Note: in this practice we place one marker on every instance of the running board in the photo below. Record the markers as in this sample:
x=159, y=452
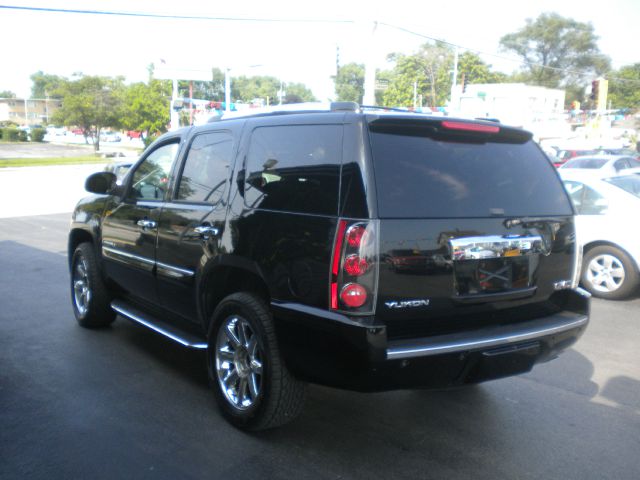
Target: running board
x=185, y=339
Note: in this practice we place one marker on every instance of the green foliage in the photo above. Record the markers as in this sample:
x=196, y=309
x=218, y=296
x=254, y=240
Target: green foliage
x=8, y=123
x=212, y=90
x=246, y=89
x=91, y=103
x=624, y=87
x=554, y=51
x=146, y=107
x=349, y=83
x=476, y=71
x=429, y=70
x=297, y=93
x=7, y=94
x=44, y=85
x=10, y=134
x=37, y=134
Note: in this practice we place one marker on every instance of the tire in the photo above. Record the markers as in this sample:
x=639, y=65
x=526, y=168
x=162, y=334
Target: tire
x=608, y=272
x=89, y=295
x=251, y=384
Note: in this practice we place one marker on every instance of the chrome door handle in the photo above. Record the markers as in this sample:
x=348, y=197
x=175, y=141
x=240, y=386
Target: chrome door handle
x=206, y=231
x=145, y=224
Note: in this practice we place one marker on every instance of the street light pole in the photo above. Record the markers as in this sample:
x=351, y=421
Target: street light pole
x=227, y=90
x=455, y=79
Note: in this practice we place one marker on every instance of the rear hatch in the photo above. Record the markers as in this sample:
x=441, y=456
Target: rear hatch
x=475, y=226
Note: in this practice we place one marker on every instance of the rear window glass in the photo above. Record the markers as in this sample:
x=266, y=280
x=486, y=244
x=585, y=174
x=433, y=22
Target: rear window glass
x=418, y=176
x=294, y=169
x=629, y=183
x=585, y=163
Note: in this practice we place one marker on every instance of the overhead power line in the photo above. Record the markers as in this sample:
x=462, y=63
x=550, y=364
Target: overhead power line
x=172, y=17
x=303, y=20
x=501, y=57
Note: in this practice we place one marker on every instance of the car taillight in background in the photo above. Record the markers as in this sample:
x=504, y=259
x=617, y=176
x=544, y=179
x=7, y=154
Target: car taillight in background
x=354, y=267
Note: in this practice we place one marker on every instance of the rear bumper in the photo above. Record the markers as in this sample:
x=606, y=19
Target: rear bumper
x=335, y=350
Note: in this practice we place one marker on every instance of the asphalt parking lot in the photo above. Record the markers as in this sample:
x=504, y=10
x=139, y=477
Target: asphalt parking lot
x=124, y=403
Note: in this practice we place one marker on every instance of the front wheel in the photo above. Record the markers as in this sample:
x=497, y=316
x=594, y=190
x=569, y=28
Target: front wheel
x=89, y=295
x=609, y=273
x=252, y=386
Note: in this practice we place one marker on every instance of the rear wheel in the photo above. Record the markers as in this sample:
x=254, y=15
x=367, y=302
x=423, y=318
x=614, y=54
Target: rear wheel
x=609, y=273
x=89, y=295
x=252, y=386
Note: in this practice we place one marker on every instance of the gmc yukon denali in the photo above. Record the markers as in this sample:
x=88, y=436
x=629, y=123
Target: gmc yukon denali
x=361, y=249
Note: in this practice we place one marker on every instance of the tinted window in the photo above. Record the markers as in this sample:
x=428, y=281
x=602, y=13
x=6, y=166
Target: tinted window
x=586, y=200
x=151, y=177
x=418, y=176
x=294, y=168
x=585, y=163
x=206, y=169
x=629, y=183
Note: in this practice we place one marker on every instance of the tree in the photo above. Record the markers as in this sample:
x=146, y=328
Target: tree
x=7, y=94
x=426, y=74
x=557, y=52
x=146, y=107
x=298, y=93
x=45, y=85
x=477, y=71
x=349, y=83
x=624, y=87
x=91, y=103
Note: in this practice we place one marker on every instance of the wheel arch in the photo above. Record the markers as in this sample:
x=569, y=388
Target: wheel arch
x=222, y=280
x=76, y=237
x=604, y=243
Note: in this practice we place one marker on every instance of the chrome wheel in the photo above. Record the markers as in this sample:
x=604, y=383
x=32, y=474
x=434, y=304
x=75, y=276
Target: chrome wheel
x=81, y=289
x=239, y=362
x=605, y=273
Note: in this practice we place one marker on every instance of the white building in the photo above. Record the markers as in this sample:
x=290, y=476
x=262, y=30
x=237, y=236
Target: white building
x=517, y=104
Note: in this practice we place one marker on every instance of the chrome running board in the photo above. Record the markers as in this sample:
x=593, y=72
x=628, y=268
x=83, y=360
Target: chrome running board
x=185, y=339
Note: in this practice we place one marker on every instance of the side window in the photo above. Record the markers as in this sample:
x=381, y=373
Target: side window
x=206, y=169
x=586, y=200
x=621, y=164
x=294, y=168
x=152, y=175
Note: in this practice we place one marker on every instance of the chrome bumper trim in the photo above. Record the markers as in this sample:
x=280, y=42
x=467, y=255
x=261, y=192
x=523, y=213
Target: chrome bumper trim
x=486, y=338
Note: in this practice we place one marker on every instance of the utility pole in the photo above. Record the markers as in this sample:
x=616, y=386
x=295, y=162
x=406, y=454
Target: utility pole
x=227, y=90
x=455, y=79
x=370, y=71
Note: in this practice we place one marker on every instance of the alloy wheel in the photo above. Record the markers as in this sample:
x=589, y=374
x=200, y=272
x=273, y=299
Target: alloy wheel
x=81, y=288
x=239, y=362
x=605, y=273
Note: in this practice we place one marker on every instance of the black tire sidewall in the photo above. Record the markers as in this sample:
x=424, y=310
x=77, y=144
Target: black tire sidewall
x=235, y=305
x=630, y=282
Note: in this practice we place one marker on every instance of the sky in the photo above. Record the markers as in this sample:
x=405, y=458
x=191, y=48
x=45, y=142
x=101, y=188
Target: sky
x=299, y=47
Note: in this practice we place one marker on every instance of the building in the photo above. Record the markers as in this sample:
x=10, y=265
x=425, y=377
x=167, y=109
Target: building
x=514, y=104
x=32, y=111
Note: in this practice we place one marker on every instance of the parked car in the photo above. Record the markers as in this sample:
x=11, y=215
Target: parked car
x=268, y=242
x=119, y=169
x=109, y=136
x=564, y=155
x=606, y=207
x=603, y=165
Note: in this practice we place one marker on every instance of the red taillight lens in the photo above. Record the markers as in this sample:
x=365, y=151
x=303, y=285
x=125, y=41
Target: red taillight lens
x=355, y=266
x=355, y=235
x=353, y=295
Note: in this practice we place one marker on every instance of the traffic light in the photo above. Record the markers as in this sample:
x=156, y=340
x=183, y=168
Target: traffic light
x=464, y=82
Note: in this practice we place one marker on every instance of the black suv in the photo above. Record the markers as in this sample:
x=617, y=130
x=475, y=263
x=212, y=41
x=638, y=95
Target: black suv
x=362, y=250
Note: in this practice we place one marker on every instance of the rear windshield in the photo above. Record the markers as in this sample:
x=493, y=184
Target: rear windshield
x=585, y=163
x=629, y=183
x=422, y=177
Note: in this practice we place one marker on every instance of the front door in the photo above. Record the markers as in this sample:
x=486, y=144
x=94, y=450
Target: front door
x=130, y=228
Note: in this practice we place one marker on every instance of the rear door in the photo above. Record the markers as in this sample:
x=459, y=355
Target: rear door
x=192, y=222
x=473, y=221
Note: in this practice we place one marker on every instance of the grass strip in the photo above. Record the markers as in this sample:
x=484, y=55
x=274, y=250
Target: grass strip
x=37, y=162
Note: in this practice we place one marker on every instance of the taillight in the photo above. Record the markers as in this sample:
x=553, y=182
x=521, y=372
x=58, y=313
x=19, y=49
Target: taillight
x=354, y=267
x=470, y=127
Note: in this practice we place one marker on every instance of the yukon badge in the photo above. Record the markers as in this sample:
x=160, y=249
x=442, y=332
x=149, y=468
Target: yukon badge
x=408, y=304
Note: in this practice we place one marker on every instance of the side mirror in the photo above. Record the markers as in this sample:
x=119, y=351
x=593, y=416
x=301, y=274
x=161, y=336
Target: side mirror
x=100, y=182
